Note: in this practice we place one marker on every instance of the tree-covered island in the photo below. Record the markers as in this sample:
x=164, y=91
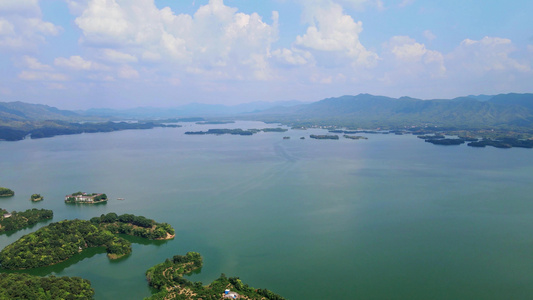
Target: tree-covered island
x=25, y=286
x=5, y=192
x=59, y=241
x=324, y=137
x=36, y=197
x=80, y=197
x=167, y=277
x=18, y=220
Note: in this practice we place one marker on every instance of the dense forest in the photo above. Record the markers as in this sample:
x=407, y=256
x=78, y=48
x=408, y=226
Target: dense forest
x=5, y=192
x=19, y=220
x=59, y=241
x=167, y=277
x=25, y=286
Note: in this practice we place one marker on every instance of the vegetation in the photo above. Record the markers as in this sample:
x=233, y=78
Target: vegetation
x=14, y=131
x=19, y=220
x=324, y=137
x=355, y=137
x=5, y=192
x=167, y=277
x=134, y=225
x=215, y=122
x=25, y=286
x=88, y=198
x=277, y=129
x=237, y=131
x=59, y=241
x=36, y=197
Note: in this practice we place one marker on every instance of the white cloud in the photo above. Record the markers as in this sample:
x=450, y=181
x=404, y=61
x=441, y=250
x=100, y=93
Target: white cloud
x=78, y=63
x=336, y=33
x=407, y=60
x=216, y=36
x=406, y=3
x=127, y=72
x=34, y=64
x=22, y=27
x=6, y=28
x=20, y=7
x=115, y=56
x=430, y=36
x=293, y=57
x=45, y=76
x=485, y=55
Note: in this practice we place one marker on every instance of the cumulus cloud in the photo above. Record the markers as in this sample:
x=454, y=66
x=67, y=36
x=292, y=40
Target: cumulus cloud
x=216, y=36
x=115, y=56
x=44, y=76
x=21, y=25
x=78, y=63
x=34, y=64
x=336, y=34
x=127, y=72
x=487, y=54
x=405, y=61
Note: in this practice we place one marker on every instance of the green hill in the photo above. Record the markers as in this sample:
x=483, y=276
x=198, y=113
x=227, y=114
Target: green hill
x=503, y=111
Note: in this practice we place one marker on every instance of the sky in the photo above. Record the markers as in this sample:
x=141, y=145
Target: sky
x=79, y=54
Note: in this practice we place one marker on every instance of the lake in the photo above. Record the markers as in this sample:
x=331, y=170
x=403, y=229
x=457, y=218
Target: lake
x=391, y=217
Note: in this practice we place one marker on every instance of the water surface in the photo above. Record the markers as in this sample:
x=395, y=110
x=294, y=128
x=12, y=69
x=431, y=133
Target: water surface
x=390, y=217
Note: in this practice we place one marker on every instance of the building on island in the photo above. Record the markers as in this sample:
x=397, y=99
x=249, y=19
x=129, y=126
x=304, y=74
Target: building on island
x=231, y=295
x=86, y=198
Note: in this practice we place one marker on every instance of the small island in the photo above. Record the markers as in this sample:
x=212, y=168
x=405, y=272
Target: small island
x=80, y=197
x=25, y=286
x=60, y=241
x=18, y=220
x=355, y=137
x=36, y=197
x=237, y=131
x=5, y=192
x=324, y=137
x=167, y=277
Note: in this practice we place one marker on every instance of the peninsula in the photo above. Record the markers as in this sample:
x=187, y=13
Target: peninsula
x=18, y=220
x=25, y=286
x=167, y=277
x=60, y=241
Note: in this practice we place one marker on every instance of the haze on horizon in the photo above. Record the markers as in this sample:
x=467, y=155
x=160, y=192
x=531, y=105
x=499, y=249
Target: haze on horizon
x=77, y=54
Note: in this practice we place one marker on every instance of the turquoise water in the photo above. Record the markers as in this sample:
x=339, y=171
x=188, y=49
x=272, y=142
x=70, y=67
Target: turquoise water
x=390, y=217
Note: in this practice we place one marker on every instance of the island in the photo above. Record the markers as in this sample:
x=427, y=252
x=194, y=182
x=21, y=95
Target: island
x=237, y=131
x=355, y=137
x=80, y=197
x=167, y=277
x=324, y=137
x=214, y=122
x=60, y=241
x=25, y=286
x=276, y=129
x=36, y=197
x=18, y=220
x=5, y=192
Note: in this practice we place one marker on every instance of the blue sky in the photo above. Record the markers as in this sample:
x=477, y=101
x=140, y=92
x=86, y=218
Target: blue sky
x=78, y=54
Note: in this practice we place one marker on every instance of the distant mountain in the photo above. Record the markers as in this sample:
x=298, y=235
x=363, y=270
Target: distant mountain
x=20, y=111
x=365, y=110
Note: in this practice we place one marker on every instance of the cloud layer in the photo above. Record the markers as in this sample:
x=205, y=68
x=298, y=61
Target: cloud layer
x=218, y=52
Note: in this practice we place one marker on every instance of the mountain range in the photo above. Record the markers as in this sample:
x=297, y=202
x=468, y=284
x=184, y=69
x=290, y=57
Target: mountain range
x=501, y=112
